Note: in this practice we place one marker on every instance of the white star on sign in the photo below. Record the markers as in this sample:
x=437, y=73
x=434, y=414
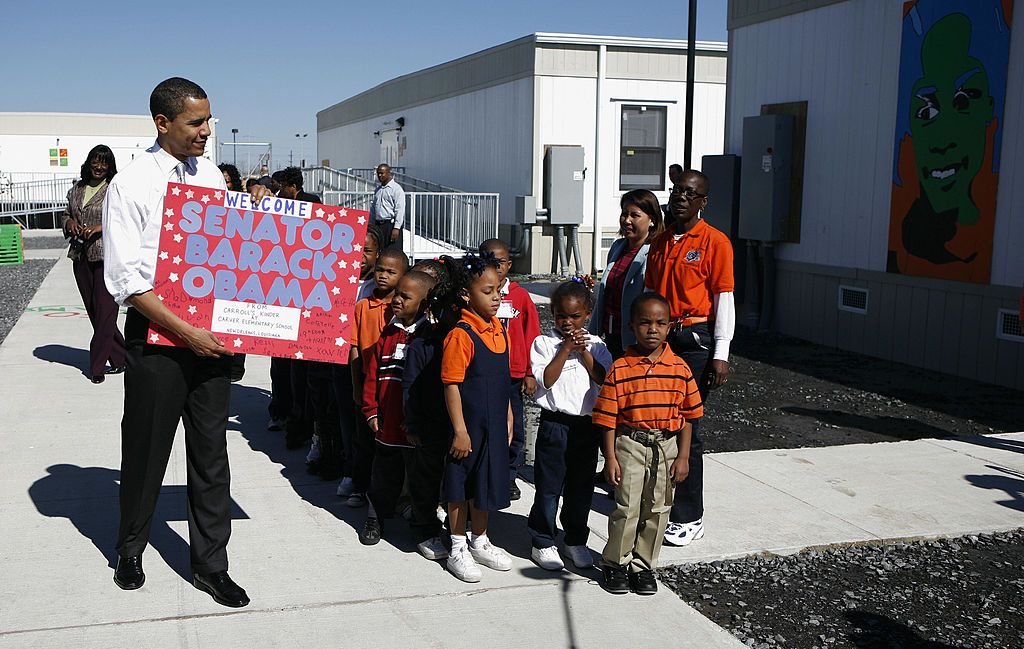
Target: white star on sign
x=173, y=277
x=319, y=212
x=357, y=248
x=175, y=190
x=238, y=342
x=168, y=212
x=330, y=219
x=189, y=194
x=205, y=199
x=362, y=220
x=168, y=226
x=352, y=279
x=343, y=213
x=163, y=255
x=298, y=355
x=178, y=238
x=342, y=264
x=306, y=313
x=176, y=260
x=192, y=309
x=218, y=195
x=356, y=265
x=160, y=297
x=335, y=290
x=154, y=338
x=339, y=341
x=343, y=317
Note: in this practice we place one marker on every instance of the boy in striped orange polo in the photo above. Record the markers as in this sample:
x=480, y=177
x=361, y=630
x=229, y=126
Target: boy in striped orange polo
x=644, y=410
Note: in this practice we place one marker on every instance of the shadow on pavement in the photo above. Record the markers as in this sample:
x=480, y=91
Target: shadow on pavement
x=249, y=406
x=873, y=631
x=894, y=427
x=1012, y=483
x=999, y=443
x=70, y=356
x=87, y=497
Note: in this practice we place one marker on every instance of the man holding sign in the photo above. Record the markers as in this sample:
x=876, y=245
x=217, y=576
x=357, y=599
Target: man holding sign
x=166, y=384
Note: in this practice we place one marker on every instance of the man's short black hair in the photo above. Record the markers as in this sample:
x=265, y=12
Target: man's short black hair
x=643, y=299
x=678, y=168
x=169, y=96
x=701, y=177
x=289, y=176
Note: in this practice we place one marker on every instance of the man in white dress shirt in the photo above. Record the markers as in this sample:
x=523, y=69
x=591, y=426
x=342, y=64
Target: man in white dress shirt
x=388, y=207
x=165, y=385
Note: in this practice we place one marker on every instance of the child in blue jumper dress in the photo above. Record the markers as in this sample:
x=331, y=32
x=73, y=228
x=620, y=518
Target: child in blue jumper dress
x=475, y=373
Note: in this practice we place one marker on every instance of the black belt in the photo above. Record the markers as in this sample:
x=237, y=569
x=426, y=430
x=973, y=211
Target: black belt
x=646, y=436
x=563, y=417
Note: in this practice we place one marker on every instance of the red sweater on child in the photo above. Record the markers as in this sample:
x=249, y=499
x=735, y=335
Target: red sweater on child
x=519, y=317
x=382, y=390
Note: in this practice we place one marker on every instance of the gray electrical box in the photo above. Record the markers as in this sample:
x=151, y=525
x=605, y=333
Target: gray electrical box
x=766, y=171
x=563, y=184
x=526, y=210
x=723, y=210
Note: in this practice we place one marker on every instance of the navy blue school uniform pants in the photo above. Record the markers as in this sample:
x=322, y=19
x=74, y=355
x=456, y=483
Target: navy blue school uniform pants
x=518, y=443
x=564, y=462
x=695, y=345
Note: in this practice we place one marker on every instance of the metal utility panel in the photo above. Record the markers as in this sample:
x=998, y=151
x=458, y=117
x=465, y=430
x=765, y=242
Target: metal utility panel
x=723, y=210
x=766, y=170
x=563, y=184
x=526, y=210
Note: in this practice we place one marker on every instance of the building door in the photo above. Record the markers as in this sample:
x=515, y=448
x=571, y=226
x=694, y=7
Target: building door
x=389, y=151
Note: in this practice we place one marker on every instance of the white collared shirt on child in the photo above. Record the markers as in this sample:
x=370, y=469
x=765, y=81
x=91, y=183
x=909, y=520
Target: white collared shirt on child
x=574, y=393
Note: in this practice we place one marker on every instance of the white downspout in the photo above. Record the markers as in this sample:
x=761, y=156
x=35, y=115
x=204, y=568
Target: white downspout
x=595, y=253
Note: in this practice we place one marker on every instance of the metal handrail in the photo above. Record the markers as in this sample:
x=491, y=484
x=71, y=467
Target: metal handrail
x=20, y=202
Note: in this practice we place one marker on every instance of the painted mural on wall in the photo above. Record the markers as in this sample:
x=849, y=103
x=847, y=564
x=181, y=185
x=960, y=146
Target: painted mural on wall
x=952, y=85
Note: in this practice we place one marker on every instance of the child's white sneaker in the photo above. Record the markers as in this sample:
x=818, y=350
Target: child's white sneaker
x=490, y=555
x=580, y=556
x=433, y=549
x=682, y=534
x=314, y=454
x=461, y=564
x=547, y=558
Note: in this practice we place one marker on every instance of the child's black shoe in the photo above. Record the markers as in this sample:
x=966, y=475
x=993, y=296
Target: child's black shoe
x=616, y=580
x=371, y=531
x=643, y=582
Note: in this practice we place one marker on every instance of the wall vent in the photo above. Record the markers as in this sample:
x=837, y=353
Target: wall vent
x=853, y=299
x=1009, y=326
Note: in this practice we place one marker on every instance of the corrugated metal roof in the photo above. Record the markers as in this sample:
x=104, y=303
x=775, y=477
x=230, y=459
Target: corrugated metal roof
x=76, y=124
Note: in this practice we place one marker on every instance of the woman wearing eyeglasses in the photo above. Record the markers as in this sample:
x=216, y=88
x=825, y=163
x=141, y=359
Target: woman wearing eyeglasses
x=83, y=225
x=640, y=221
x=691, y=264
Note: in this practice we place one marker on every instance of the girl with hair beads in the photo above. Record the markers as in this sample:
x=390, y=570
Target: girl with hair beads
x=474, y=371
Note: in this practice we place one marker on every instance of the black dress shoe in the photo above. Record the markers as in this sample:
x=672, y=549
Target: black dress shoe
x=513, y=491
x=616, y=580
x=128, y=575
x=224, y=591
x=98, y=378
x=643, y=582
x=370, y=535
x=115, y=370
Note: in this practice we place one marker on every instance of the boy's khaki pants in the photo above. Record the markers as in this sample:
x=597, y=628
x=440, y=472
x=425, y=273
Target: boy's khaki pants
x=642, y=503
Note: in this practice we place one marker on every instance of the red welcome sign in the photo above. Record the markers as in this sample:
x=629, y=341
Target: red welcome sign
x=277, y=278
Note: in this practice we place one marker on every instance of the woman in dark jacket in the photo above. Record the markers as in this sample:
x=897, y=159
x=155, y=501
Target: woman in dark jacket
x=83, y=224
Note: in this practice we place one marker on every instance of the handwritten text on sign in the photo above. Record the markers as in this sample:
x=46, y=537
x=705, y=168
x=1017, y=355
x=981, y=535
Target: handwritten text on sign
x=277, y=278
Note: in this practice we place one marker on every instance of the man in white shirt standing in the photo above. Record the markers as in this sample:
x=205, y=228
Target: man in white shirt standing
x=165, y=385
x=388, y=207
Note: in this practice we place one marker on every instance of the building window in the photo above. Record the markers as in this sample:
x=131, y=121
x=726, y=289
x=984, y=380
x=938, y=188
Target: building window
x=642, y=152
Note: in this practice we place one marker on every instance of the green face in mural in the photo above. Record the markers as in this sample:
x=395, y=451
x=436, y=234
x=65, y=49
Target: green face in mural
x=949, y=112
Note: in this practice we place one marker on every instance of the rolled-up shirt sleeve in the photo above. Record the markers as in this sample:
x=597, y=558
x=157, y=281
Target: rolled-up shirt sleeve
x=122, y=244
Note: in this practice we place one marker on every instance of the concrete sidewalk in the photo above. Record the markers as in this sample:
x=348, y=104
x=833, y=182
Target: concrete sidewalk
x=294, y=545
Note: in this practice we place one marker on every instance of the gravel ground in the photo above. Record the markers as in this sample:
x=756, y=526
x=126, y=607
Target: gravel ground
x=17, y=286
x=787, y=393
x=964, y=592
x=47, y=242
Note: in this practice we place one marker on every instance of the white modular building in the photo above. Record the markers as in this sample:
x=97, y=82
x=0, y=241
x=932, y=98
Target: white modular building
x=485, y=122
x=906, y=224
x=35, y=146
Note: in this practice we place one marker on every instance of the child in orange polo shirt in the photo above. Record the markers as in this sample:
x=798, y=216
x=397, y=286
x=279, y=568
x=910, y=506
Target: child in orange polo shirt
x=371, y=316
x=645, y=408
x=474, y=370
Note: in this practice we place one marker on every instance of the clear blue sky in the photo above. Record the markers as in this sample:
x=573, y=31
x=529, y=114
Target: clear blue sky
x=270, y=66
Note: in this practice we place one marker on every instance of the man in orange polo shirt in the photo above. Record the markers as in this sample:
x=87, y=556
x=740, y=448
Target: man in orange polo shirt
x=691, y=264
